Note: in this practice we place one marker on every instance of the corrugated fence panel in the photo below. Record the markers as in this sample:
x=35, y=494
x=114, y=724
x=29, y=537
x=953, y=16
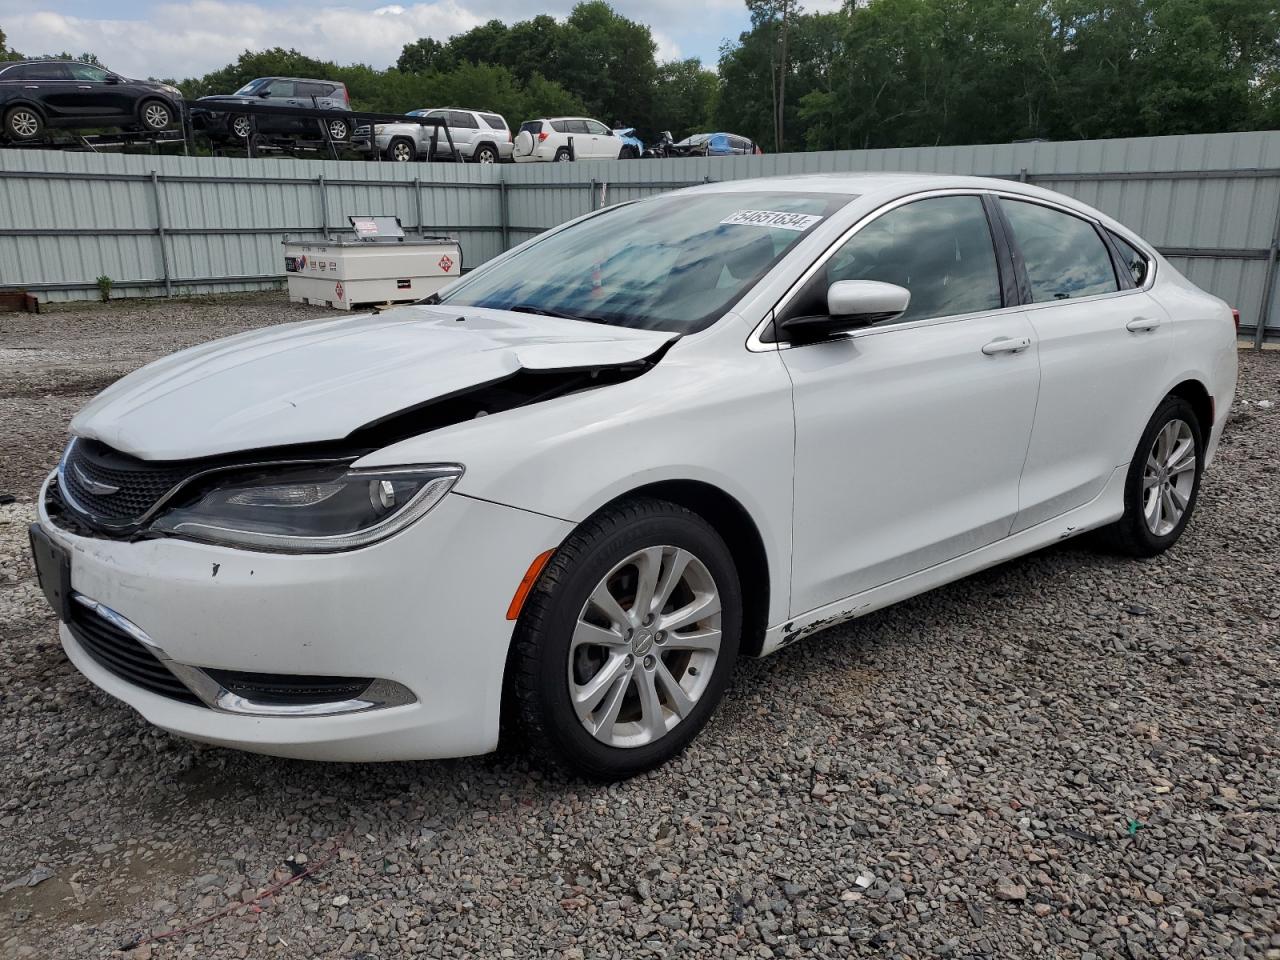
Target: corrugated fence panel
x=1212, y=202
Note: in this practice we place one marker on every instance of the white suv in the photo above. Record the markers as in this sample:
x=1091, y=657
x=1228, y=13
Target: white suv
x=566, y=138
x=480, y=136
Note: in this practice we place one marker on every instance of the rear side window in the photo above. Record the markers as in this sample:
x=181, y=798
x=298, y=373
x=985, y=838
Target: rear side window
x=560, y=126
x=1134, y=259
x=939, y=248
x=497, y=123
x=462, y=120
x=36, y=71
x=310, y=88
x=1064, y=255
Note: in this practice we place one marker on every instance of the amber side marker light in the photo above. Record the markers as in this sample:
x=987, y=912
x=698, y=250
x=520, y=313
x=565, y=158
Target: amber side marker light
x=527, y=582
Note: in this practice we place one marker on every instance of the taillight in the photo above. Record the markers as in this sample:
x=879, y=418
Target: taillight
x=510, y=138
x=542, y=136
x=346, y=97
x=1235, y=315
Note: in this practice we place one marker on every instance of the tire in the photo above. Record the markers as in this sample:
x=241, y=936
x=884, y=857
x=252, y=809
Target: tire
x=240, y=126
x=156, y=115
x=628, y=153
x=23, y=123
x=638, y=720
x=563, y=155
x=485, y=154
x=1152, y=491
x=339, y=131
x=401, y=150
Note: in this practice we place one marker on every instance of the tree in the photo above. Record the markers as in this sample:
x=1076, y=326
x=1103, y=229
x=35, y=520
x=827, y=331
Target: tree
x=5, y=52
x=685, y=97
x=425, y=55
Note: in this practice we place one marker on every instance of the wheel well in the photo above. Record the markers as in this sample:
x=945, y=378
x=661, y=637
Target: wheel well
x=1194, y=392
x=485, y=143
x=33, y=107
x=735, y=526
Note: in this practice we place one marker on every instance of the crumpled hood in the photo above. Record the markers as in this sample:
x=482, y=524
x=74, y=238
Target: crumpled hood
x=321, y=379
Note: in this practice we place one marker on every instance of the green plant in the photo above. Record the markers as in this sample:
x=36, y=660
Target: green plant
x=104, y=287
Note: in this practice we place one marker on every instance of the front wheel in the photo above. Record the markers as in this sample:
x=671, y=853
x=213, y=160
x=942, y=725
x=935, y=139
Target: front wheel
x=401, y=150
x=241, y=126
x=1162, y=483
x=156, y=116
x=627, y=641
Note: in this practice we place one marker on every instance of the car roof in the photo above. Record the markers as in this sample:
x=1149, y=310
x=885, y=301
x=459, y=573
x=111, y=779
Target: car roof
x=876, y=187
x=303, y=79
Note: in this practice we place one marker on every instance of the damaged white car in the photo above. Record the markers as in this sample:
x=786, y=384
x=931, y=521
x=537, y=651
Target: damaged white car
x=564, y=496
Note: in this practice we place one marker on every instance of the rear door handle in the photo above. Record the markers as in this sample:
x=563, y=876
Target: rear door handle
x=1141, y=324
x=1006, y=345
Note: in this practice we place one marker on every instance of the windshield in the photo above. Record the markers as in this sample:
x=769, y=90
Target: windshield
x=250, y=87
x=676, y=262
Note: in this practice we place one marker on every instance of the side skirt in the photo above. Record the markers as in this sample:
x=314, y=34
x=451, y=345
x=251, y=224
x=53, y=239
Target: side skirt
x=1106, y=507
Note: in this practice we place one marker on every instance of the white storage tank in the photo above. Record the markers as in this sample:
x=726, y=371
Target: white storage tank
x=380, y=265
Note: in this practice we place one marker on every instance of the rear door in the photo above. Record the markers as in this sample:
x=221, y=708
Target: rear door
x=464, y=127
x=910, y=434
x=1104, y=350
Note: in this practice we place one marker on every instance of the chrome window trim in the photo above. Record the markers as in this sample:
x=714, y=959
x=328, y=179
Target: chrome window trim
x=378, y=695
x=756, y=345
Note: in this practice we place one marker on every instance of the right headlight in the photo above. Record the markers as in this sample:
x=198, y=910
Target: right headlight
x=311, y=509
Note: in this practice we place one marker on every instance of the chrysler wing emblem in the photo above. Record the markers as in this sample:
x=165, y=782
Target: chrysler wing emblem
x=93, y=486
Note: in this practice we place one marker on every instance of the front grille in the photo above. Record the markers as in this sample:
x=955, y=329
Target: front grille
x=284, y=689
x=130, y=660
x=92, y=469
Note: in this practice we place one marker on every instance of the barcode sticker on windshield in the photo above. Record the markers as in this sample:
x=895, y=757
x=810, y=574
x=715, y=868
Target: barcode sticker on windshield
x=773, y=218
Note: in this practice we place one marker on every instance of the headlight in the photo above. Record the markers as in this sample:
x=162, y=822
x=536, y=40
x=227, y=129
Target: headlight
x=312, y=509
x=379, y=128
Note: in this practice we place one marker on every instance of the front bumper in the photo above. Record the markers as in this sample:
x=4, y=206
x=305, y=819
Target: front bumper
x=425, y=609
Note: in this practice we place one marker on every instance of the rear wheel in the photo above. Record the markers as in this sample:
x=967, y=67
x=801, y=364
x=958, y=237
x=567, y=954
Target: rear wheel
x=156, y=115
x=563, y=155
x=338, y=130
x=627, y=642
x=1162, y=483
x=23, y=123
x=401, y=150
x=486, y=154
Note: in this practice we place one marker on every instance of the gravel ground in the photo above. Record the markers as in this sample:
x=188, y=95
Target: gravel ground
x=1068, y=756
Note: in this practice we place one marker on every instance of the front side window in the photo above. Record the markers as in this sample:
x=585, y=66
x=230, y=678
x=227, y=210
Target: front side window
x=1134, y=260
x=1064, y=255
x=598, y=128
x=675, y=262
x=87, y=72
x=939, y=248
x=281, y=88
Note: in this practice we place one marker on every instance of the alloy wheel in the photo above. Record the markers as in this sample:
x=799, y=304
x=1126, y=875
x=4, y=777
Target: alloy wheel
x=24, y=123
x=645, y=646
x=401, y=152
x=242, y=127
x=1169, y=477
x=485, y=156
x=156, y=116
x=337, y=130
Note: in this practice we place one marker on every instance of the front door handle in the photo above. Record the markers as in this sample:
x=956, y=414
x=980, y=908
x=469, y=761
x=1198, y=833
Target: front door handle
x=1006, y=345
x=1142, y=324
x=84, y=86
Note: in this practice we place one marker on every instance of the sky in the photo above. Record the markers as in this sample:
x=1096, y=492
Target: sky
x=155, y=38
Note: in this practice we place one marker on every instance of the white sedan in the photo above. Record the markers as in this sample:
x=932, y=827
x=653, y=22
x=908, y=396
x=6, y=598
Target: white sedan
x=562, y=497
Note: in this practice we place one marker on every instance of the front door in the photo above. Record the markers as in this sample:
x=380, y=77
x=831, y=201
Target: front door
x=910, y=434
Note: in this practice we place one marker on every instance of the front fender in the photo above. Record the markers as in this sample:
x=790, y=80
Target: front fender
x=721, y=420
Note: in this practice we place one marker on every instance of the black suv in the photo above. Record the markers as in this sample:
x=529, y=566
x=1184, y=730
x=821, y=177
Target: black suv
x=216, y=115
x=35, y=94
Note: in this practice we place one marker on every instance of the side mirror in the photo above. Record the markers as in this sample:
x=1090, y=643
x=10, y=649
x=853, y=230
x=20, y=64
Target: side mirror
x=112, y=78
x=264, y=93
x=850, y=304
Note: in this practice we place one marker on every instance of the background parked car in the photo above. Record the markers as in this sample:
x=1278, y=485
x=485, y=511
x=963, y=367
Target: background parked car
x=715, y=145
x=632, y=146
x=480, y=136
x=548, y=139
x=216, y=116
x=35, y=94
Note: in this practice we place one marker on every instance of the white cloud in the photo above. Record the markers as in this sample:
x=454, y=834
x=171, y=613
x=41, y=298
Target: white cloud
x=178, y=39
x=183, y=40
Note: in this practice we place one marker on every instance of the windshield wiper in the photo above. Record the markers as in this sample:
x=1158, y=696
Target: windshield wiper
x=559, y=314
